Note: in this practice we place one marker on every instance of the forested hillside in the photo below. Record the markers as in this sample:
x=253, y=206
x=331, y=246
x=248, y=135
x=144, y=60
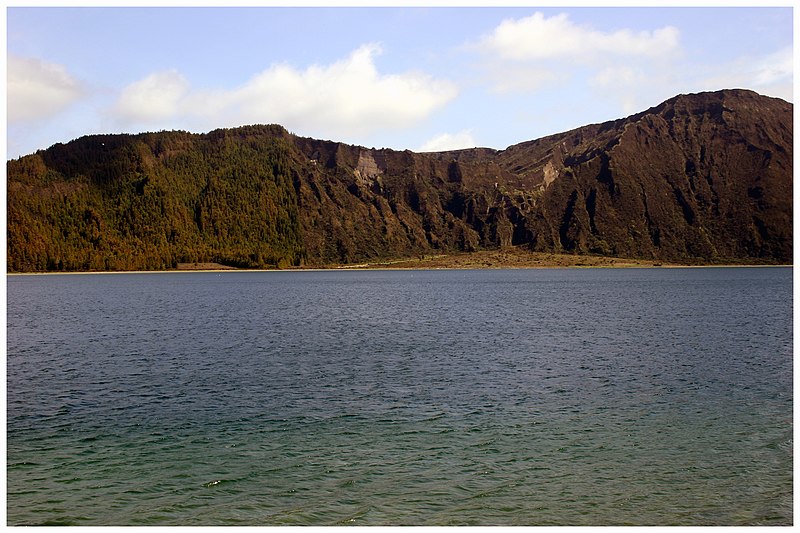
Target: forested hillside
x=700, y=178
x=120, y=202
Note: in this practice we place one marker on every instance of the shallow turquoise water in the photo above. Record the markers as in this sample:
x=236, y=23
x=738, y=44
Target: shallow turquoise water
x=530, y=397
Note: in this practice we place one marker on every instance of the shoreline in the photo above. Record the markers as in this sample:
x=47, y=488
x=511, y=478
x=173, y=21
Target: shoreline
x=503, y=259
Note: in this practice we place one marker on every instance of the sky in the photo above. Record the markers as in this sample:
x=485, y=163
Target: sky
x=418, y=78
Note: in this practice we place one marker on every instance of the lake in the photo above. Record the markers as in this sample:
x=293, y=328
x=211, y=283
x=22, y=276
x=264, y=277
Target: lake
x=480, y=397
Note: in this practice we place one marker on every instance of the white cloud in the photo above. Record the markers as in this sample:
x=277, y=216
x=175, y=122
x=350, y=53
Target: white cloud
x=523, y=78
x=348, y=97
x=538, y=52
x=539, y=38
x=38, y=90
x=630, y=87
x=449, y=141
x=618, y=75
x=771, y=74
x=774, y=68
x=157, y=97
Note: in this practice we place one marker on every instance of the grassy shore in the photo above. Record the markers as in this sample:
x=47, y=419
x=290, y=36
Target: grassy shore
x=506, y=258
x=522, y=258
x=484, y=259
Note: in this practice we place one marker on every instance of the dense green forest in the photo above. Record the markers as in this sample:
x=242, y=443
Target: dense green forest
x=151, y=201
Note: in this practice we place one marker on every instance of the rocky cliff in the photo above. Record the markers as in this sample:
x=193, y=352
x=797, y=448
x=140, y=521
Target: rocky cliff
x=700, y=178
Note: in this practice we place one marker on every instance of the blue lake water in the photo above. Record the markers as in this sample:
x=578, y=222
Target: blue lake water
x=495, y=397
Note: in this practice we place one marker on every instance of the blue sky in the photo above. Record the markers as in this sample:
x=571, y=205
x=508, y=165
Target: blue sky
x=418, y=78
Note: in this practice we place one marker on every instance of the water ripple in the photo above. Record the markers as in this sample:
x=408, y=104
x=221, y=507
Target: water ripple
x=642, y=397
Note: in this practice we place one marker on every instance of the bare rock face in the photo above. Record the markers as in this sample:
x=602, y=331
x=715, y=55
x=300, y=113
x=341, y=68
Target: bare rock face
x=700, y=178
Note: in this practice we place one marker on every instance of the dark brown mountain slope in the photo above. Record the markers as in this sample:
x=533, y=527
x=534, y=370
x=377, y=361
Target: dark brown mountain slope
x=699, y=178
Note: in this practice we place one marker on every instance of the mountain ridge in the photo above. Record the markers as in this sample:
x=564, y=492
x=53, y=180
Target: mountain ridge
x=704, y=177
